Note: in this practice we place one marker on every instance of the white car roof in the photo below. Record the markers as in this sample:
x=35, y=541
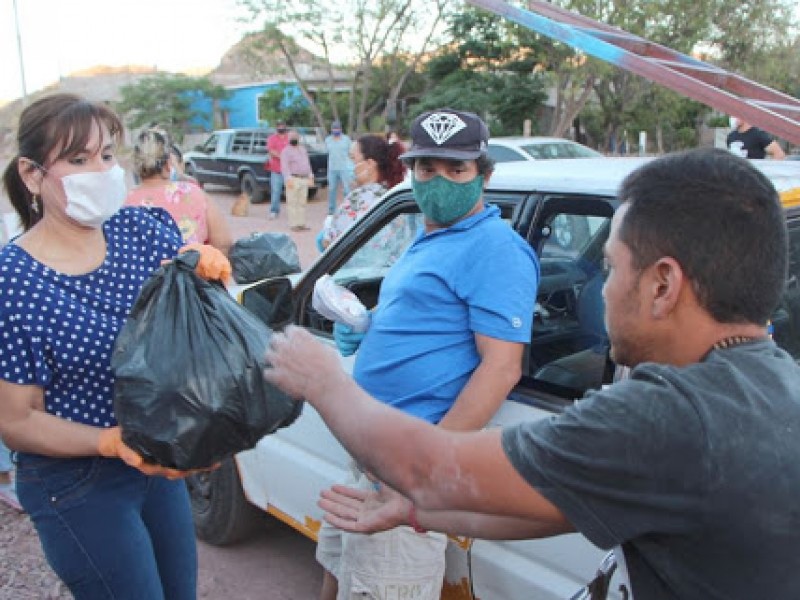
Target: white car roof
x=518, y=140
x=601, y=176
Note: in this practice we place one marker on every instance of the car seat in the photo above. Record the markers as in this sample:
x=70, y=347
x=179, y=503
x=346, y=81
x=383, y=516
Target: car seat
x=585, y=369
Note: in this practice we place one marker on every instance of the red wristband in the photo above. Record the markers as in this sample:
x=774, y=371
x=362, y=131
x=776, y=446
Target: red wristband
x=412, y=520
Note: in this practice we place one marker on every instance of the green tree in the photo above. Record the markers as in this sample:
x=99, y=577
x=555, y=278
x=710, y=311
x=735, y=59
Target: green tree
x=362, y=35
x=166, y=99
x=282, y=102
x=490, y=69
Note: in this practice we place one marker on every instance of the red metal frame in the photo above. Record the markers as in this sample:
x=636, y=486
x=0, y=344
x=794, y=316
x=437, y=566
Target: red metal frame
x=768, y=109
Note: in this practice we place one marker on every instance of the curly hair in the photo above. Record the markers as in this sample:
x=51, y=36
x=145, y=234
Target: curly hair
x=386, y=155
x=151, y=153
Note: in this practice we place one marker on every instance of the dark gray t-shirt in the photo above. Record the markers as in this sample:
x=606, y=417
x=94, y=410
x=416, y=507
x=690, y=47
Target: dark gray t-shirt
x=694, y=471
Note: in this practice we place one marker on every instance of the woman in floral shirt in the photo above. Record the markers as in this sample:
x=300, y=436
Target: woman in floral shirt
x=197, y=216
x=376, y=169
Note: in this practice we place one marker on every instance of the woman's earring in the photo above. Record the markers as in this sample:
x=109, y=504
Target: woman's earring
x=35, y=203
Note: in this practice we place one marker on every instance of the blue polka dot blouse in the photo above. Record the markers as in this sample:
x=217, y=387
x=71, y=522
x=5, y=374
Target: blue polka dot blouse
x=57, y=331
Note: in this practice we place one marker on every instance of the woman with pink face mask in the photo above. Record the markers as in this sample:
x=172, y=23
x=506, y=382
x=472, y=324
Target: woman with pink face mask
x=110, y=524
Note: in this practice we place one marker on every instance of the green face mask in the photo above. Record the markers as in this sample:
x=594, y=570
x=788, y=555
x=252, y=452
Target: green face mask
x=443, y=201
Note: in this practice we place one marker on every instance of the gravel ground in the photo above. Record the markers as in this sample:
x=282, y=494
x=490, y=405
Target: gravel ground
x=24, y=573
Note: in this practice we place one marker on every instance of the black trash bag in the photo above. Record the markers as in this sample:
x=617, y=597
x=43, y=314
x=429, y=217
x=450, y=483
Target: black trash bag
x=264, y=255
x=188, y=362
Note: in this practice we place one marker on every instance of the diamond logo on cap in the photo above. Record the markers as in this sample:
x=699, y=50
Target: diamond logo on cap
x=442, y=126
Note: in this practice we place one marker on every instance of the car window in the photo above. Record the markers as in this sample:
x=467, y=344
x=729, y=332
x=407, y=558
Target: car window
x=503, y=154
x=210, y=146
x=786, y=319
x=242, y=142
x=260, y=142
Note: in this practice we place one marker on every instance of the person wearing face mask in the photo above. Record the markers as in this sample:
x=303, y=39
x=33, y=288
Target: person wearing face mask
x=339, y=166
x=751, y=142
x=297, y=173
x=111, y=525
x=275, y=145
x=443, y=344
x=195, y=212
x=376, y=168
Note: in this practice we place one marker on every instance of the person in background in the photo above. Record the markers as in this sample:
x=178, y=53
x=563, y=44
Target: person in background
x=751, y=142
x=111, y=525
x=339, y=166
x=297, y=173
x=376, y=168
x=177, y=171
x=198, y=217
x=275, y=145
x=687, y=468
x=8, y=492
x=442, y=344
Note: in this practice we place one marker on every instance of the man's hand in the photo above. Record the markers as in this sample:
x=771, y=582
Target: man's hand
x=290, y=184
x=213, y=265
x=300, y=365
x=110, y=445
x=364, y=511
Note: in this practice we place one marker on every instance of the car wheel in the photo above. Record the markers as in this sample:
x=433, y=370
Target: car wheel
x=222, y=514
x=250, y=188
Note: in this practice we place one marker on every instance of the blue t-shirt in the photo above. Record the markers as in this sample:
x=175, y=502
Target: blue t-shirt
x=338, y=152
x=57, y=331
x=477, y=276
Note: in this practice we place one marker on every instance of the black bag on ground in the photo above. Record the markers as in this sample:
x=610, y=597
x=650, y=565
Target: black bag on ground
x=264, y=255
x=189, y=388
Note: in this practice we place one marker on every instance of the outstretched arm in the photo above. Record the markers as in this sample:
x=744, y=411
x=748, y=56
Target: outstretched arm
x=435, y=468
x=365, y=511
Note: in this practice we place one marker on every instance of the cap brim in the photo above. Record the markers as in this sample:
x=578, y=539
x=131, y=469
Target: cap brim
x=448, y=153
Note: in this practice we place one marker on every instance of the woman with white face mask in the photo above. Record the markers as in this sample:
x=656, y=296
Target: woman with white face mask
x=376, y=169
x=110, y=524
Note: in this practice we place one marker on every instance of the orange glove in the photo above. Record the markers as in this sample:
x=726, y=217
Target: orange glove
x=213, y=265
x=110, y=445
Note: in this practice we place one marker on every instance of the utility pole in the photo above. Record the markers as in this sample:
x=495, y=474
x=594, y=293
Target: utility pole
x=19, y=54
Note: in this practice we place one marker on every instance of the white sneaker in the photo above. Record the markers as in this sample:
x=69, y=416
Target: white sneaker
x=272, y=216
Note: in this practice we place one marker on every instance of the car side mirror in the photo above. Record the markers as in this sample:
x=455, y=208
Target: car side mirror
x=271, y=301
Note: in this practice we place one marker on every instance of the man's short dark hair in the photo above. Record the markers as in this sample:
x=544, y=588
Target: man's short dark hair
x=721, y=219
x=484, y=163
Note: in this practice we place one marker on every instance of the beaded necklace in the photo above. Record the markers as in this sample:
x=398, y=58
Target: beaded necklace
x=734, y=340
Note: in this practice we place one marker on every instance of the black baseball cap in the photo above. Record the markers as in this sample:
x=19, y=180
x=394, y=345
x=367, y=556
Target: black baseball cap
x=448, y=133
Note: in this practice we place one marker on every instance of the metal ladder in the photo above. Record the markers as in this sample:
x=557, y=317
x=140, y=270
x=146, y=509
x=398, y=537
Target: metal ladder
x=767, y=109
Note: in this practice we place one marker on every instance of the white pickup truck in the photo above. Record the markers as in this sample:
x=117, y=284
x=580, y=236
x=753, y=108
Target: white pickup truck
x=567, y=355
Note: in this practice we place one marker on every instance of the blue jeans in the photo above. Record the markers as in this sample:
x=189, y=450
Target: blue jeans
x=108, y=531
x=334, y=178
x=275, y=190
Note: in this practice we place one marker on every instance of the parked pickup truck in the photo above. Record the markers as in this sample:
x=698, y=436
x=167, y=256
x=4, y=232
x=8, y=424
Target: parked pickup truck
x=566, y=356
x=236, y=158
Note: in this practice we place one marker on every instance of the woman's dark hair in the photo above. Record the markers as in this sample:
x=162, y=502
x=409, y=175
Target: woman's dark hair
x=391, y=169
x=721, y=219
x=59, y=123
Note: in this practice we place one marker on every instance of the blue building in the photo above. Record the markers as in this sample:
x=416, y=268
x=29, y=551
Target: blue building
x=240, y=109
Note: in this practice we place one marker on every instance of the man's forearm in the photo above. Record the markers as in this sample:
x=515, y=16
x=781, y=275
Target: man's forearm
x=488, y=527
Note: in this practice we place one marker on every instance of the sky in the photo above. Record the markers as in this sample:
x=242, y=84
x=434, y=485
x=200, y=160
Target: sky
x=62, y=36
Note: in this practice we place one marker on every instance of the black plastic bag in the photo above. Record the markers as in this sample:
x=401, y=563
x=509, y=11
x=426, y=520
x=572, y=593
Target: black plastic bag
x=264, y=255
x=188, y=362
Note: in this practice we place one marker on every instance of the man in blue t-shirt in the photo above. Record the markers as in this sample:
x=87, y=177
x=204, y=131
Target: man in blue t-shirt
x=446, y=340
x=340, y=168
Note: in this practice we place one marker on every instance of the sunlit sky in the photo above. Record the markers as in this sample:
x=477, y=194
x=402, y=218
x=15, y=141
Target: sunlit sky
x=62, y=36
